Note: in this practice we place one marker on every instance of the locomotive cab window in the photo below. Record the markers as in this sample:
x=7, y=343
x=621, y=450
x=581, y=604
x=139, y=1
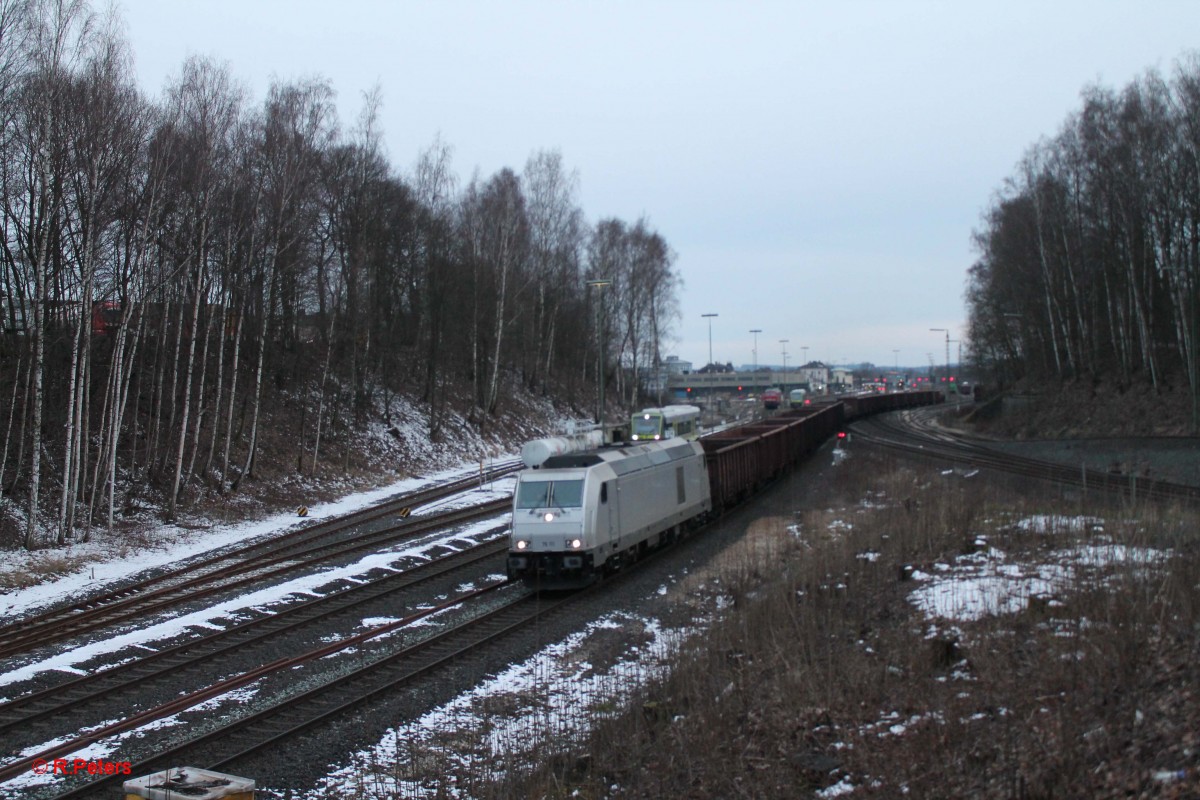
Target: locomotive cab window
x=550, y=494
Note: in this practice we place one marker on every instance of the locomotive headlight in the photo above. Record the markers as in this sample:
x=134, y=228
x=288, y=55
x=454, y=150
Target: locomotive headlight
x=575, y=544
x=634, y=437
x=522, y=544
x=549, y=516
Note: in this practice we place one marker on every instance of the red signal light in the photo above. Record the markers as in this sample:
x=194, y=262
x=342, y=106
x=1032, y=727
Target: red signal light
x=841, y=434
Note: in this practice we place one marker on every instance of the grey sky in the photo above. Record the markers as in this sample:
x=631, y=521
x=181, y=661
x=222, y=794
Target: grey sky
x=817, y=167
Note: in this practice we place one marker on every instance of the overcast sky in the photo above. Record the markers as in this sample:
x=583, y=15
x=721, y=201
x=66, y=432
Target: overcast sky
x=817, y=167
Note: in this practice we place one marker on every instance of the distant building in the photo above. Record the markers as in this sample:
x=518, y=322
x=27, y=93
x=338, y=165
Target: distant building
x=841, y=379
x=816, y=375
x=657, y=383
x=673, y=365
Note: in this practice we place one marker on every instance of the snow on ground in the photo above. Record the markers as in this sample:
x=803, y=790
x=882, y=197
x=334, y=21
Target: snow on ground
x=558, y=695
x=180, y=545
x=100, y=564
x=257, y=600
x=554, y=696
x=990, y=583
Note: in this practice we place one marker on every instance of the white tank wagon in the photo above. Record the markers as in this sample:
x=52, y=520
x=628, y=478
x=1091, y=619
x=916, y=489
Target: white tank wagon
x=535, y=453
x=583, y=514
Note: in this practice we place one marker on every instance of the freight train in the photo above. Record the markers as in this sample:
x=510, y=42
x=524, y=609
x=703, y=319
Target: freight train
x=580, y=515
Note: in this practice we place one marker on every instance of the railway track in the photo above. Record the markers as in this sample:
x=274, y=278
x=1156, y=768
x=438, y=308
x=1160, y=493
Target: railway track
x=236, y=739
x=254, y=732
x=286, y=706
x=72, y=700
x=291, y=552
x=916, y=432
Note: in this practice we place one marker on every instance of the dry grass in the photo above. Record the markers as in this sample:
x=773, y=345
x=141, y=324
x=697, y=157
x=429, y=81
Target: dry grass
x=35, y=568
x=823, y=670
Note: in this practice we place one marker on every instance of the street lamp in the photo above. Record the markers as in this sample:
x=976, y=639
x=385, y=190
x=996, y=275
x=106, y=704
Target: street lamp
x=600, y=283
x=947, y=332
x=784, y=342
x=804, y=349
x=709, y=318
x=756, y=332
x=957, y=363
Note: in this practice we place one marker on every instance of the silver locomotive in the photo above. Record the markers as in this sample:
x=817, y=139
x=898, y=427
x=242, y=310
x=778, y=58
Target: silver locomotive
x=582, y=514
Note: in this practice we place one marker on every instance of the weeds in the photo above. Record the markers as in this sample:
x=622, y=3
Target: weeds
x=929, y=634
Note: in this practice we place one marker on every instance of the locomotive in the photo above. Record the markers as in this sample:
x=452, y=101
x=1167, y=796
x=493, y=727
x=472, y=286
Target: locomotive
x=582, y=514
x=654, y=424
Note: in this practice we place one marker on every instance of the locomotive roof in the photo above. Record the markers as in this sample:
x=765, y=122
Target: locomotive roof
x=625, y=459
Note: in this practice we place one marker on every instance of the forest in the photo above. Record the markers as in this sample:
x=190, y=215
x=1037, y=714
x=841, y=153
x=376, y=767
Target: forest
x=173, y=265
x=1089, y=260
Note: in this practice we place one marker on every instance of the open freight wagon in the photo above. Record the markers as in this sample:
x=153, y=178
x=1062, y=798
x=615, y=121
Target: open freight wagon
x=740, y=460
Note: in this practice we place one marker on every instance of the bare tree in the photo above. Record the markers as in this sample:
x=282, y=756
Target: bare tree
x=556, y=241
x=205, y=110
x=297, y=128
x=61, y=36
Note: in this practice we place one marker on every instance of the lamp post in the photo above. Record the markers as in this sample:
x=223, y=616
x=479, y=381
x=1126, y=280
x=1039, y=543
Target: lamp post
x=756, y=332
x=957, y=364
x=784, y=342
x=709, y=318
x=598, y=284
x=947, y=332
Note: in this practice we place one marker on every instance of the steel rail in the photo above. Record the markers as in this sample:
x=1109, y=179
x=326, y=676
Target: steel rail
x=281, y=543
x=289, y=717
x=191, y=699
x=254, y=571
x=911, y=432
x=78, y=692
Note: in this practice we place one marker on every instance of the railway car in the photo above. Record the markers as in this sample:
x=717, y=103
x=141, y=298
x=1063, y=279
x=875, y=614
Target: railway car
x=798, y=398
x=583, y=514
x=861, y=405
x=656, y=424
x=772, y=398
x=743, y=459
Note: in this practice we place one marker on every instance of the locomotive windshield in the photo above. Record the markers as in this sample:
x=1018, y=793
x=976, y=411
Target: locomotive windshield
x=550, y=494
